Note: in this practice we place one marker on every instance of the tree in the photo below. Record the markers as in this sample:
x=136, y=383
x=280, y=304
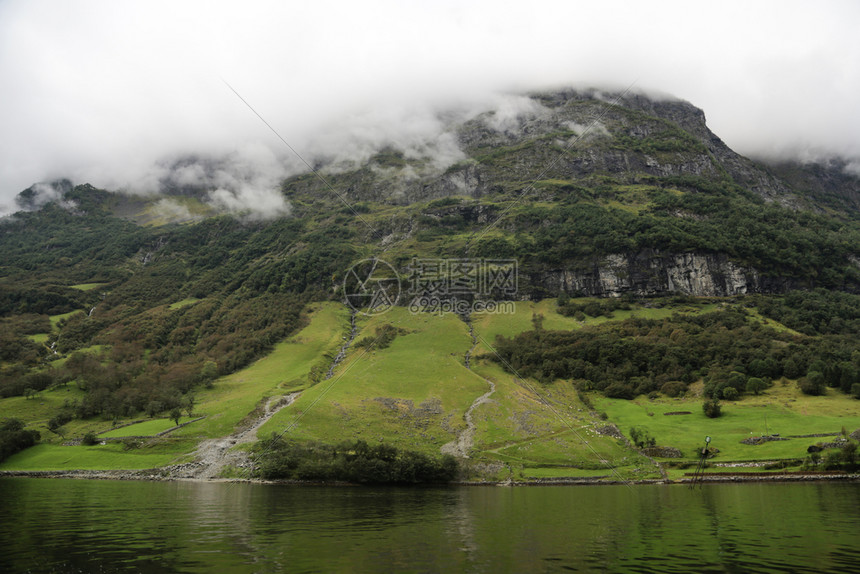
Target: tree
x=755, y=385
x=641, y=438
x=176, y=415
x=792, y=369
x=712, y=408
x=188, y=404
x=812, y=384
x=673, y=388
x=55, y=425
x=153, y=408
x=14, y=438
x=730, y=394
x=737, y=381
x=208, y=373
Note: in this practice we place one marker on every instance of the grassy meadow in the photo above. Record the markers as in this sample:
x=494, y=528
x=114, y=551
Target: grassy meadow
x=414, y=394
x=782, y=410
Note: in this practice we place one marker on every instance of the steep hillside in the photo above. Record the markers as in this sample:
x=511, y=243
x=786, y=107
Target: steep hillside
x=145, y=306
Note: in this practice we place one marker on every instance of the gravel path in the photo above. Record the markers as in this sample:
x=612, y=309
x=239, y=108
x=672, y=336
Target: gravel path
x=461, y=446
x=214, y=454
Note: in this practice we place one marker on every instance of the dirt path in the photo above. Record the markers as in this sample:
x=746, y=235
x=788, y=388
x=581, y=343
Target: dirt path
x=463, y=443
x=461, y=446
x=214, y=454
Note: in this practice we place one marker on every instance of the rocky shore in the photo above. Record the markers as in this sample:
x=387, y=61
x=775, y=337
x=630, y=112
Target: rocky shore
x=177, y=474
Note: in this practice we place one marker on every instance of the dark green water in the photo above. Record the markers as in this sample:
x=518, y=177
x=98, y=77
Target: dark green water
x=107, y=526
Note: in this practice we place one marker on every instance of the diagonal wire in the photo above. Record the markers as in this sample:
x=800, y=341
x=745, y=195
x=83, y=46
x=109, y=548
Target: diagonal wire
x=309, y=166
x=554, y=411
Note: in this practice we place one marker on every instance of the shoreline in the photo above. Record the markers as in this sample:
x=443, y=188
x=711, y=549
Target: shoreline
x=157, y=475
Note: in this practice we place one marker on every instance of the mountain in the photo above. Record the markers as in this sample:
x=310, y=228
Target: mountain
x=142, y=301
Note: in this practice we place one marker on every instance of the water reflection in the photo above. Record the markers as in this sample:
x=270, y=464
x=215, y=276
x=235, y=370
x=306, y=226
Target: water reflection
x=91, y=526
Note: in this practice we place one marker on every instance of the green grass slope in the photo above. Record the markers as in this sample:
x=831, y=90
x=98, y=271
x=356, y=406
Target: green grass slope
x=415, y=394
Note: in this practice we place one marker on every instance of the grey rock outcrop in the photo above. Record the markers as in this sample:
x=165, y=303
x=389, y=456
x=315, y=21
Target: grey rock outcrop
x=654, y=273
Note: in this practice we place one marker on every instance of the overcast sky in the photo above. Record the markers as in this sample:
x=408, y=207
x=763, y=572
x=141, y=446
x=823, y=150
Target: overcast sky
x=102, y=91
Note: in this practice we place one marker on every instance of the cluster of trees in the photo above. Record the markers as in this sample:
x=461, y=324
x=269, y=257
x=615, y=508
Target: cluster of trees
x=843, y=375
x=639, y=356
x=816, y=312
x=385, y=335
x=641, y=437
x=351, y=461
x=594, y=308
x=14, y=438
x=842, y=458
x=154, y=360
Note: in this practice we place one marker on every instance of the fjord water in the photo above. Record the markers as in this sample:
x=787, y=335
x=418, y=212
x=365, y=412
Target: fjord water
x=107, y=526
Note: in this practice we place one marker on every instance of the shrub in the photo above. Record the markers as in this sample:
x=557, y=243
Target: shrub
x=90, y=438
x=641, y=438
x=730, y=394
x=619, y=391
x=14, y=438
x=712, y=408
x=755, y=385
x=673, y=388
x=812, y=384
x=351, y=461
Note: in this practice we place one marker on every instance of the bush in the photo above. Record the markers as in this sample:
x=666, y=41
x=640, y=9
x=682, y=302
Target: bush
x=812, y=384
x=641, y=438
x=619, y=391
x=90, y=439
x=712, y=408
x=673, y=388
x=353, y=462
x=13, y=437
x=755, y=385
x=730, y=394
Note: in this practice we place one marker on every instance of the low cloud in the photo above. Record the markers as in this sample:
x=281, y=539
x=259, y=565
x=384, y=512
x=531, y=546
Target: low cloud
x=40, y=194
x=116, y=94
x=510, y=112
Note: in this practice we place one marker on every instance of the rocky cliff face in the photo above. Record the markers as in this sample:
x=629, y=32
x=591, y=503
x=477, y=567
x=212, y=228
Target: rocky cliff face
x=650, y=273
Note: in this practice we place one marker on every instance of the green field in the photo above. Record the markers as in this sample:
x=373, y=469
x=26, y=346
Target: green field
x=284, y=370
x=415, y=393
x=111, y=456
x=412, y=394
x=780, y=410
x=146, y=428
x=39, y=409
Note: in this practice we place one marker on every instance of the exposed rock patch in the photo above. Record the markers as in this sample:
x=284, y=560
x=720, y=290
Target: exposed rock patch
x=662, y=451
x=761, y=439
